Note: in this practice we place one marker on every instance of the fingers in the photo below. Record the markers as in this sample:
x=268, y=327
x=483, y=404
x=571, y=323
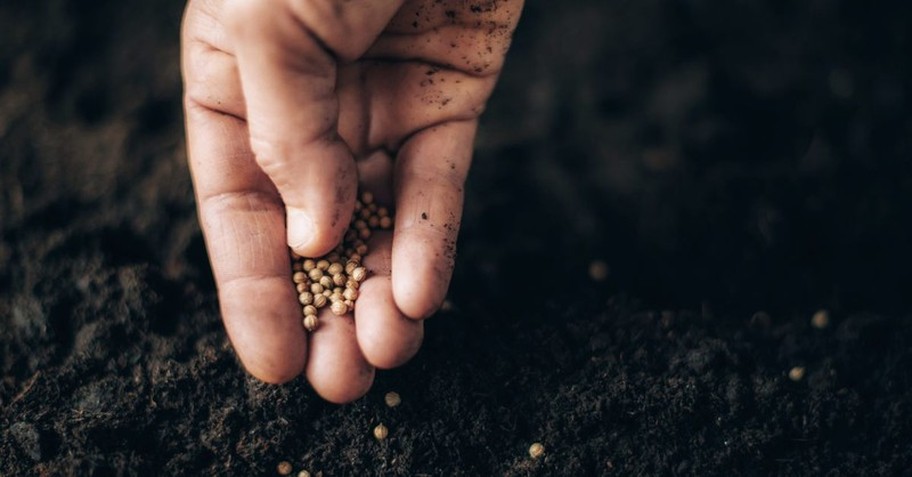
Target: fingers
x=430, y=172
x=242, y=221
x=337, y=370
x=285, y=53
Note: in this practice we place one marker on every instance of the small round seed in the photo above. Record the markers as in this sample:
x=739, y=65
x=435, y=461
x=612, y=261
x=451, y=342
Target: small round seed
x=360, y=224
x=297, y=267
x=302, y=287
x=303, y=473
x=310, y=310
x=323, y=264
x=373, y=222
x=335, y=268
x=306, y=298
x=536, y=450
x=319, y=301
x=361, y=249
x=797, y=373
x=386, y=222
x=350, y=304
x=364, y=234
x=316, y=288
x=372, y=207
x=326, y=281
x=299, y=277
x=309, y=265
x=382, y=212
x=598, y=270
x=820, y=320
x=311, y=322
x=339, y=279
x=350, y=294
x=359, y=274
x=392, y=399
x=315, y=274
x=351, y=284
x=338, y=308
x=284, y=468
x=380, y=432
x=367, y=198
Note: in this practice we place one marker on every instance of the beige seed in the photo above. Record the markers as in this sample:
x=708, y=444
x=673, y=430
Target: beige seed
x=303, y=473
x=339, y=279
x=309, y=265
x=360, y=224
x=382, y=212
x=284, y=468
x=302, y=287
x=365, y=213
x=315, y=274
x=326, y=281
x=299, y=277
x=338, y=308
x=350, y=304
x=335, y=268
x=797, y=373
x=361, y=249
x=598, y=270
x=364, y=234
x=323, y=264
x=336, y=297
x=380, y=432
x=386, y=222
x=359, y=274
x=367, y=198
x=351, y=284
x=536, y=450
x=319, y=301
x=311, y=322
x=310, y=310
x=350, y=294
x=373, y=222
x=316, y=288
x=306, y=298
x=821, y=319
x=358, y=205
x=392, y=399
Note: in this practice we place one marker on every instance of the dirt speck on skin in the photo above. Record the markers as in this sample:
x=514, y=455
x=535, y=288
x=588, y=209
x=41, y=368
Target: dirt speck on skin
x=788, y=193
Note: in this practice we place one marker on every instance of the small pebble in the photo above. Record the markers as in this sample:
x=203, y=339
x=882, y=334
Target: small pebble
x=821, y=319
x=797, y=373
x=284, y=468
x=536, y=450
x=392, y=399
x=380, y=432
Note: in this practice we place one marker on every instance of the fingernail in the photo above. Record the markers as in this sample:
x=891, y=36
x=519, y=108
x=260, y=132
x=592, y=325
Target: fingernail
x=300, y=229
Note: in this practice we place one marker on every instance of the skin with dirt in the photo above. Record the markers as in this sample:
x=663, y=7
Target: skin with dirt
x=738, y=167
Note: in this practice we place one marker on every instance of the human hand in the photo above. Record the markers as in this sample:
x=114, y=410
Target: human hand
x=289, y=105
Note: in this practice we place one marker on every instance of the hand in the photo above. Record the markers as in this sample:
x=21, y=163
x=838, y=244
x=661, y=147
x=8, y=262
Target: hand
x=289, y=105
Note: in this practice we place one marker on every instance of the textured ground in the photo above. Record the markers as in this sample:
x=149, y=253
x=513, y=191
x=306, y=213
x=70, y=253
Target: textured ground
x=723, y=158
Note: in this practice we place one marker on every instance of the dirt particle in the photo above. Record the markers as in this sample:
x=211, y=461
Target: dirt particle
x=424, y=216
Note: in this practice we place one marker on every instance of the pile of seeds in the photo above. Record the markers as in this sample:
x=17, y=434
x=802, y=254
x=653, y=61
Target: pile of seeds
x=334, y=279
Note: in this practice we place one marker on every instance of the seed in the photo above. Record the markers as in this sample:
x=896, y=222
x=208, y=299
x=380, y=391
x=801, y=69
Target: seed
x=359, y=274
x=350, y=304
x=339, y=279
x=311, y=322
x=309, y=265
x=386, y=222
x=392, y=399
x=284, y=468
x=598, y=270
x=447, y=305
x=299, y=277
x=367, y=198
x=335, y=269
x=364, y=234
x=820, y=320
x=360, y=224
x=316, y=288
x=323, y=264
x=373, y=221
x=536, y=450
x=297, y=267
x=310, y=310
x=306, y=298
x=315, y=274
x=326, y=281
x=380, y=432
x=352, y=284
x=382, y=212
x=350, y=294
x=797, y=373
x=302, y=287
x=319, y=301
x=338, y=308
x=303, y=473
x=336, y=296
x=361, y=249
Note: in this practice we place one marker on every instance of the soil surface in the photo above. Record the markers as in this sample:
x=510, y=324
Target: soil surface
x=737, y=165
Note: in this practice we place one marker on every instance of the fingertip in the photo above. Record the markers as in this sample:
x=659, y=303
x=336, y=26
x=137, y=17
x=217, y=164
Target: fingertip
x=310, y=238
x=337, y=370
x=420, y=278
x=387, y=338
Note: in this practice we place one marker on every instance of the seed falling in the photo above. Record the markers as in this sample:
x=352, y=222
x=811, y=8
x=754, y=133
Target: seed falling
x=380, y=432
x=820, y=320
x=284, y=468
x=797, y=373
x=536, y=450
x=598, y=270
x=334, y=279
x=392, y=399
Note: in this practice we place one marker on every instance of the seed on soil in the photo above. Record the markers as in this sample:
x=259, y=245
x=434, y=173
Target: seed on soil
x=598, y=270
x=797, y=373
x=392, y=399
x=303, y=473
x=380, y=432
x=821, y=319
x=284, y=468
x=334, y=279
x=536, y=450
x=311, y=322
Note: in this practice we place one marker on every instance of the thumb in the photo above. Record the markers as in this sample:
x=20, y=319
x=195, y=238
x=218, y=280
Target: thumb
x=286, y=53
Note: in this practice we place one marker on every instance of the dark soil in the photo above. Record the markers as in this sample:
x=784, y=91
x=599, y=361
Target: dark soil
x=738, y=165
